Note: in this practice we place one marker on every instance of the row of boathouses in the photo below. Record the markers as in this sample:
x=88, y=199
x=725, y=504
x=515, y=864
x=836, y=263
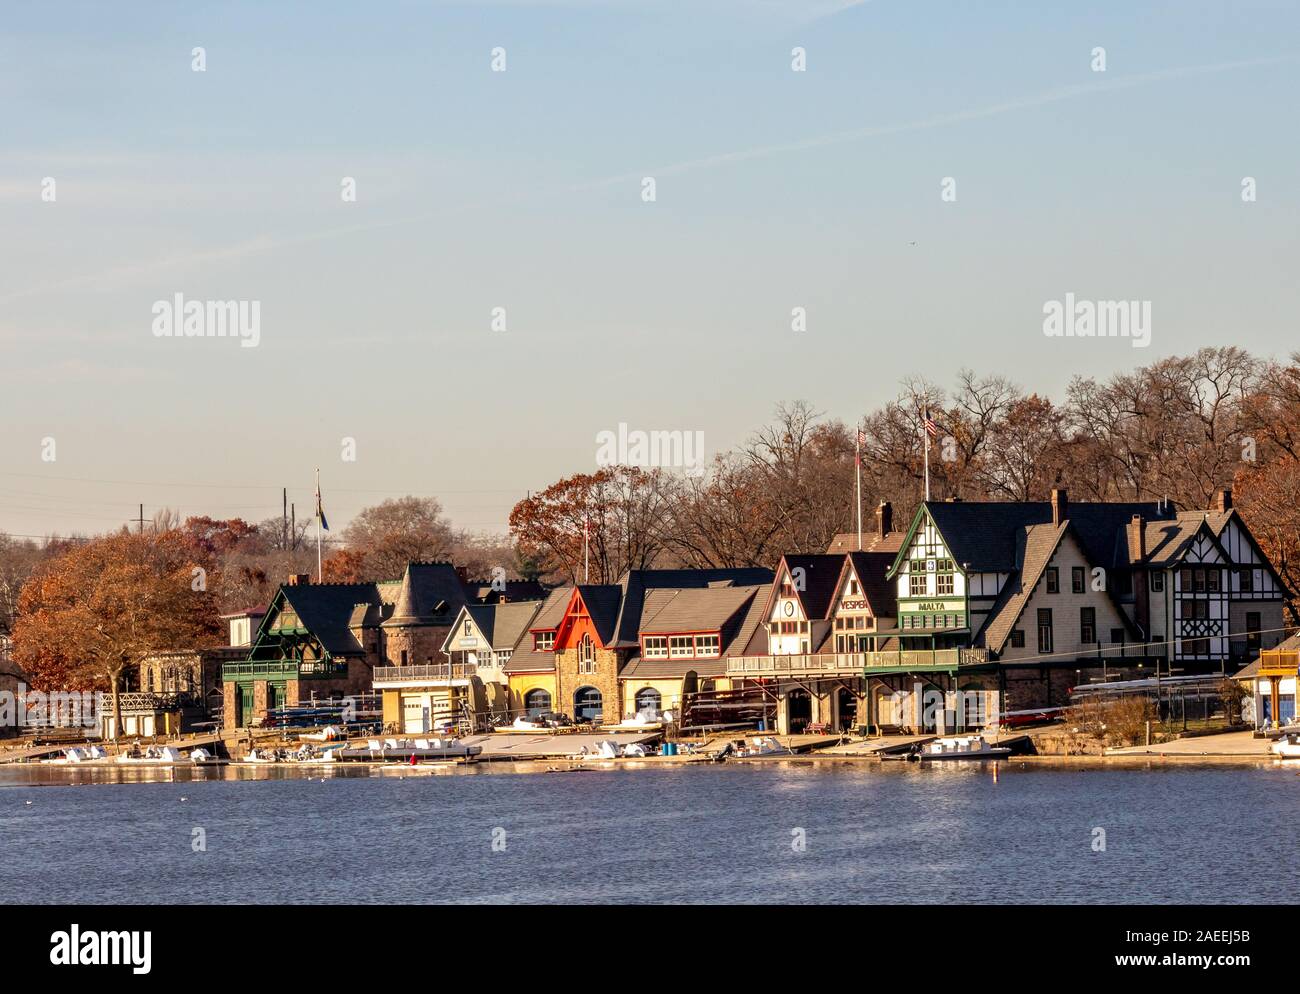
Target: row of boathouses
x=1012, y=604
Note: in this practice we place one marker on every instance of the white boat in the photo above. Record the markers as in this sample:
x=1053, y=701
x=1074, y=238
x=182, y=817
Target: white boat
x=1287, y=747
x=153, y=756
x=764, y=745
x=961, y=747
x=329, y=733
x=523, y=724
x=404, y=749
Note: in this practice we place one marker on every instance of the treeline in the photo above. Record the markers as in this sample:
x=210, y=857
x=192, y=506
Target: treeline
x=1178, y=429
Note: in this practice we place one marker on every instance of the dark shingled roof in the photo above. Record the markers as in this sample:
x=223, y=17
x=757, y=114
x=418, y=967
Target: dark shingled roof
x=821, y=577
x=692, y=610
x=1035, y=547
x=983, y=534
x=602, y=602
x=872, y=569
x=326, y=609
x=502, y=624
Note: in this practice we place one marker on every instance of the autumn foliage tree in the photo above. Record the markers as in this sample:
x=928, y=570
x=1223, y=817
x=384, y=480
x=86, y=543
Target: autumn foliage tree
x=621, y=509
x=103, y=606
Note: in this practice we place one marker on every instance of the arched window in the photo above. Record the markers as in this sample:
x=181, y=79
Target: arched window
x=587, y=704
x=648, y=699
x=537, y=701
x=586, y=655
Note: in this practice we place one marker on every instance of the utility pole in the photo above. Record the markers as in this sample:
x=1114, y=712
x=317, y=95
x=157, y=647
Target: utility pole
x=284, y=518
x=141, y=519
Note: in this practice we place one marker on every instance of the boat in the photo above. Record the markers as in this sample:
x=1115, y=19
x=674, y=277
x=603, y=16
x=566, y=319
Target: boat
x=756, y=748
x=329, y=733
x=972, y=747
x=1287, y=747
x=152, y=756
x=376, y=750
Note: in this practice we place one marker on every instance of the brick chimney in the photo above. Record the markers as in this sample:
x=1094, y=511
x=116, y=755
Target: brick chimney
x=299, y=579
x=1137, y=554
x=1222, y=499
x=884, y=518
x=1059, y=505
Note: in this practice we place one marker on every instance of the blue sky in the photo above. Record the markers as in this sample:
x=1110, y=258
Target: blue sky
x=521, y=190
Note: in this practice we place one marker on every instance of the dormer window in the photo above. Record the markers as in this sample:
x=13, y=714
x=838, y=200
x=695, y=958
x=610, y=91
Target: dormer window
x=544, y=641
x=655, y=647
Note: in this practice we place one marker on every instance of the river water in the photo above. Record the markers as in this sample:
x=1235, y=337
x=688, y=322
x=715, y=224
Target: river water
x=777, y=832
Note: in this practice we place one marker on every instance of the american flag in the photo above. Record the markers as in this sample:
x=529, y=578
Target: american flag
x=931, y=426
x=862, y=438
x=857, y=453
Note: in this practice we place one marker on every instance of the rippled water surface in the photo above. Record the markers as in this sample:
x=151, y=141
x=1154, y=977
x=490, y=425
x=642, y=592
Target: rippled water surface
x=872, y=833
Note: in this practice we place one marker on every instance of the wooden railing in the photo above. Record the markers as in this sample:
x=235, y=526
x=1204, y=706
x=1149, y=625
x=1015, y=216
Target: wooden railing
x=849, y=663
x=428, y=671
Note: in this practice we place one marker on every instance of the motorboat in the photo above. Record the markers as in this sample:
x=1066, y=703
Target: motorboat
x=758, y=747
x=1287, y=747
x=974, y=747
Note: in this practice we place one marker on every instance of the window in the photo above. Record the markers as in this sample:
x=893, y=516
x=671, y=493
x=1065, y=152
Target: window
x=1044, y=629
x=465, y=633
x=917, y=584
x=1158, y=582
x=403, y=657
x=587, y=704
x=648, y=699
x=706, y=645
x=544, y=641
x=944, y=583
x=537, y=701
x=1117, y=636
x=586, y=655
x=1253, y=625
x=1247, y=581
x=1087, y=625
x=1212, y=581
x=853, y=587
x=681, y=646
x=1053, y=580
x=1076, y=580
x=655, y=647
x=504, y=655
x=1017, y=638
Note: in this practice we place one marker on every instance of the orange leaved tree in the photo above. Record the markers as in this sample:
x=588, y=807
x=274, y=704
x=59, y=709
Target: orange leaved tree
x=103, y=606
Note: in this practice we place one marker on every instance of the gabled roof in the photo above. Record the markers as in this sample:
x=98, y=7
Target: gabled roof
x=872, y=570
x=821, y=577
x=635, y=583
x=500, y=624
x=602, y=602
x=982, y=535
x=1035, y=546
x=872, y=541
x=549, y=615
x=487, y=592
x=326, y=610
x=692, y=610
x=1167, y=542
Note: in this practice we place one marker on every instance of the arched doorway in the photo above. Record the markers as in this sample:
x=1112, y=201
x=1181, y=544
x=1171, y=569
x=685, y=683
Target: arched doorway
x=649, y=699
x=587, y=704
x=798, y=711
x=536, y=702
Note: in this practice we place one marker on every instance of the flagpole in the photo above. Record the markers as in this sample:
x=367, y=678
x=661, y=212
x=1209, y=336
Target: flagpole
x=319, y=574
x=857, y=490
x=925, y=430
x=586, y=547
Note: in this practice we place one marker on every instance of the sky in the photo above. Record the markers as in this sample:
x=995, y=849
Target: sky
x=482, y=193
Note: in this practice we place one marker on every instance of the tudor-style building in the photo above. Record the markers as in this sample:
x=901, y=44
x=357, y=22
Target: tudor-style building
x=1035, y=597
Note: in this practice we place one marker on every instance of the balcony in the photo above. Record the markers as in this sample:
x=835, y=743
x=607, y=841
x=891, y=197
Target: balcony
x=283, y=669
x=428, y=673
x=854, y=663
